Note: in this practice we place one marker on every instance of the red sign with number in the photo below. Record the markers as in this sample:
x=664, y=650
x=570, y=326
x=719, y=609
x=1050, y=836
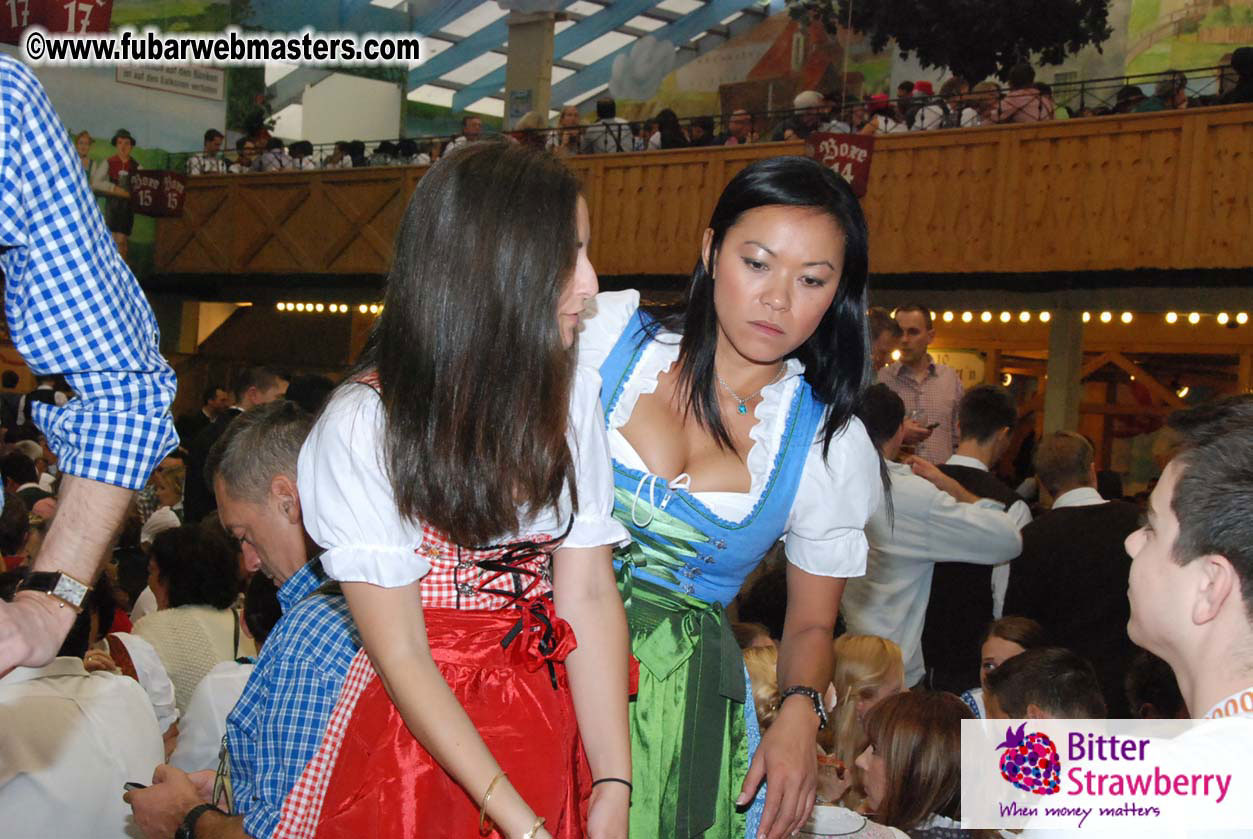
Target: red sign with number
x=56, y=16
x=155, y=192
x=848, y=155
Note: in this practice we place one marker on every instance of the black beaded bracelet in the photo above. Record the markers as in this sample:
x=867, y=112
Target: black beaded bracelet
x=623, y=781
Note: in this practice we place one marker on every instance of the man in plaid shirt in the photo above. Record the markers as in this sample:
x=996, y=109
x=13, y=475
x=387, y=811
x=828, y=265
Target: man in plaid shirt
x=279, y=720
x=931, y=392
x=74, y=308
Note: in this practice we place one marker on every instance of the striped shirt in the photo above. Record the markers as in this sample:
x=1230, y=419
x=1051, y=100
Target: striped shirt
x=280, y=718
x=73, y=307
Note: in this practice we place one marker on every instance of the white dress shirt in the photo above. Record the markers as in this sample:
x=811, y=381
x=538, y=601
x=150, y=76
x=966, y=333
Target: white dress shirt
x=1020, y=513
x=69, y=740
x=201, y=729
x=928, y=526
x=1080, y=497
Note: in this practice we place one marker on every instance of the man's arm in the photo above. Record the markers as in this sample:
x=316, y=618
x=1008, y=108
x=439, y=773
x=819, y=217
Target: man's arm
x=160, y=809
x=73, y=307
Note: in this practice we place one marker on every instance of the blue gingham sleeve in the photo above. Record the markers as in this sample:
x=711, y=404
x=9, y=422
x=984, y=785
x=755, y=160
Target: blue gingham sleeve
x=73, y=307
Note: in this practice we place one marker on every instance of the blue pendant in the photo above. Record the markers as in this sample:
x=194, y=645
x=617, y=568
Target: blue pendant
x=743, y=409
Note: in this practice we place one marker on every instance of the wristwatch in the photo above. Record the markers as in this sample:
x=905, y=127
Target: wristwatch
x=60, y=585
x=187, y=830
x=810, y=694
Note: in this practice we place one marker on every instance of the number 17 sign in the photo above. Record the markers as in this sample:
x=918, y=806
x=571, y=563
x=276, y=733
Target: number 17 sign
x=56, y=16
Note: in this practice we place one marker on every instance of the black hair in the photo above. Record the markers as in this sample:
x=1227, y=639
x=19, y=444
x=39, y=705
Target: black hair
x=985, y=410
x=1020, y=76
x=210, y=393
x=881, y=411
x=606, y=108
x=468, y=331
x=14, y=524
x=211, y=134
x=261, y=608
x=837, y=355
x=309, y=391
x=8, y=379
x=1150, y=681
x=100, y=604
x=273, y=143
x=18, y=468
x=197, y=566
x=1059, y=682
x=906, y=86
x=671, y=132
x=407, y=147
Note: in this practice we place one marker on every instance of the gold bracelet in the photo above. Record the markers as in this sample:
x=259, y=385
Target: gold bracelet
x=483, y=807
x=530, y=834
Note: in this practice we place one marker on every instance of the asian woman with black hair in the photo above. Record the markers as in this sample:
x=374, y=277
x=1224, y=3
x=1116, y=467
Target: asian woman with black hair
x=459, y=481
x=731, y=427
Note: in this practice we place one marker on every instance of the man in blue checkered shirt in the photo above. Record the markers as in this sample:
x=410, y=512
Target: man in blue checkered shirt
x=279, y=720
x=73, y=307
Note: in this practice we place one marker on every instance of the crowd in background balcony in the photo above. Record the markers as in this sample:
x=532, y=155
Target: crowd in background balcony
x=916, y=107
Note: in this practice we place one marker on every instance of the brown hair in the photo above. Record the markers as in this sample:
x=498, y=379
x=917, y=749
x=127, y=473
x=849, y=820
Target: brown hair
x=1016, y=629
x=918, y=736
x=1063, y=457
x=762, y=664
x=475, y=378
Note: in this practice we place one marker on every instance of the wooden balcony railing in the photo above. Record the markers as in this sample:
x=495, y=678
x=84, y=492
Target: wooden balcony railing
x=1166, y=191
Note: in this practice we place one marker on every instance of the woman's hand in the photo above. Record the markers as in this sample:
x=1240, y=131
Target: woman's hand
x=788, y=760
x=608, y=814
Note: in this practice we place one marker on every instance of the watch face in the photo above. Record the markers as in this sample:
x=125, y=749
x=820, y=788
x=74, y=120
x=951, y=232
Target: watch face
x=70, y=590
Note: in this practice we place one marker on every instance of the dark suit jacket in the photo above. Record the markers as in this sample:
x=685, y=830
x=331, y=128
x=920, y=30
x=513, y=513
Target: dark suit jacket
x=960, y=607
x=1072, y=579
x=198, y=501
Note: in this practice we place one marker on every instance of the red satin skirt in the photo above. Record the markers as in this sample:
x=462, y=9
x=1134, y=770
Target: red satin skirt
x=385, y=784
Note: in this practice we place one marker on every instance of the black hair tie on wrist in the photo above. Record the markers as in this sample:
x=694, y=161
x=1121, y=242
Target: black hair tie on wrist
x=623, y=781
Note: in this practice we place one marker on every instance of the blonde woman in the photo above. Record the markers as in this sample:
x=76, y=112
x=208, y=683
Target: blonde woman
x=762, y=663
x=868, y=669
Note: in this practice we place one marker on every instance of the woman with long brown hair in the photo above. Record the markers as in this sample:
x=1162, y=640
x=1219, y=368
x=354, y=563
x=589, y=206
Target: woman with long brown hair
x=912, y=767
x=459, y=482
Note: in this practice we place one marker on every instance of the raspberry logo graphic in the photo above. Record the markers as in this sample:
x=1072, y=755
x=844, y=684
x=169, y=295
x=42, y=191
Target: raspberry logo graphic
x=1030, y=761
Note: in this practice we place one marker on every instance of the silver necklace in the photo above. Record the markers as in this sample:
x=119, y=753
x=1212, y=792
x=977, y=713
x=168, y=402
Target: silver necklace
x=742, y=407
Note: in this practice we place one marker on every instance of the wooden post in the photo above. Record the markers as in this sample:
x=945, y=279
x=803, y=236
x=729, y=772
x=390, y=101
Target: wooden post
x=992, y=367
x=1061, y=398
x=1244, y=378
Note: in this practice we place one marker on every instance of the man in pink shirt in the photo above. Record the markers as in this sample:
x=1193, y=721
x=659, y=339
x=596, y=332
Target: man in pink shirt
x=1023, y=103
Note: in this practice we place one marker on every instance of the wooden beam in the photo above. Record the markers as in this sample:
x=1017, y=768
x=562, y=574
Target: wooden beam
x=1244, y=378
x=1156, y=388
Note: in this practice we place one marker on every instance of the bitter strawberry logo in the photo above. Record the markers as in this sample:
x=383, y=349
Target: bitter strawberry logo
x=1030, y=761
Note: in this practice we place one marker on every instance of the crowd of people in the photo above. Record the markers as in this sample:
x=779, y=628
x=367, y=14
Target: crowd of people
x=548, y=562
x=917, y=106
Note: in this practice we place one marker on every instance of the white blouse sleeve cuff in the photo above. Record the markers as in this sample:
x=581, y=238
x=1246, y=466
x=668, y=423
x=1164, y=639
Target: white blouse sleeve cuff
x=841, y=555
x=389, y=566
x=592, y=531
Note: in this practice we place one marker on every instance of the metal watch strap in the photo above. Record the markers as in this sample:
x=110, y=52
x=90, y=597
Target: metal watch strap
x=810, y=694
x=187, y=830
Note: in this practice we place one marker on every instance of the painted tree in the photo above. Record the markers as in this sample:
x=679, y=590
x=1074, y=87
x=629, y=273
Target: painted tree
x=972, y=38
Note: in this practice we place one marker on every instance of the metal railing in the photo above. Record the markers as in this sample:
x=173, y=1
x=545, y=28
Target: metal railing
x=982, y=105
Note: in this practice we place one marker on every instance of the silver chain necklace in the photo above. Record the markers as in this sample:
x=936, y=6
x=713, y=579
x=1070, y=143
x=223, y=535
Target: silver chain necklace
x=742, y=407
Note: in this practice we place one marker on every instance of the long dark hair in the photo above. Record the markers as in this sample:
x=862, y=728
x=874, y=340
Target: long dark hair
x=474, y=377
x=672, y=136
x=837, y=355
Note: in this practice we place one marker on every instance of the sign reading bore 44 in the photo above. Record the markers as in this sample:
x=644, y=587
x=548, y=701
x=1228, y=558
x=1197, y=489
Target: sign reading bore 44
x=848, y=155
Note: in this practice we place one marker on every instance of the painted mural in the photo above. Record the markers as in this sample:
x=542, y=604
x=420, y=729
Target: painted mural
x=760, y=70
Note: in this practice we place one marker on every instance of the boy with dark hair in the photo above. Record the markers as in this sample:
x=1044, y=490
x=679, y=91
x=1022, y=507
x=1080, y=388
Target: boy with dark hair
x=1044, y=683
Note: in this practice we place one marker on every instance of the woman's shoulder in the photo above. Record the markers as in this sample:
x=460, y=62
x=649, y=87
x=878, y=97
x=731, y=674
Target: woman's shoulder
x=850, y=448
x=611, y=313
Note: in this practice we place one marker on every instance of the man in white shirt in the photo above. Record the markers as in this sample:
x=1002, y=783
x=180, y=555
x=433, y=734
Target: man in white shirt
x=608, y=133
x=471, y=130
x=931, y=519
x=209, y=161
x=69, y=740
x=1190, y=586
